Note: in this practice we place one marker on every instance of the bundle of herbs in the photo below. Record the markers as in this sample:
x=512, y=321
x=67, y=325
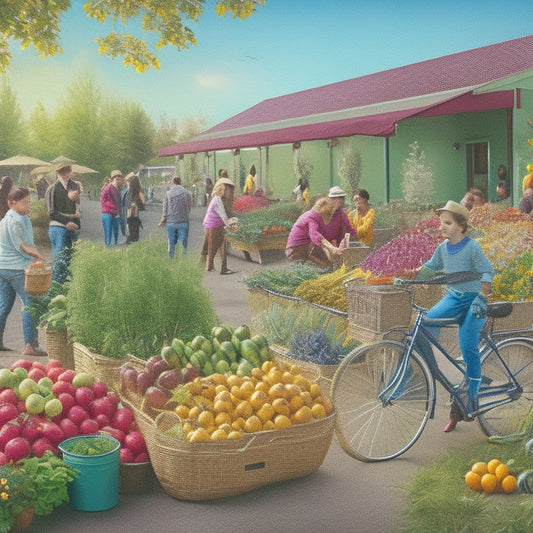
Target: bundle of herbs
x=135, y=300
x=285, y=280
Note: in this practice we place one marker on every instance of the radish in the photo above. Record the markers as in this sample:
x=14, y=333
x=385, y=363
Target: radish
x=143, y=457
x=3, y=459
x=89, y=427
x=135, y=442
x=62, y=386
x=102, y=406
x=100, y=389
x=67, y=400
x=115, y=398
x=114, y=432
x=53, y=363
x=122, y=419
x=39, y=365
x=17, y=448
x=42, y=445
x=8, y=412
x=126, y=455
x=9, y=396
x=69, y=428
x=84, y=396
x=36, y=374
x=7, y=432
x=52, y=432
x=102, y=420
x=77, y=414
x=30, y=428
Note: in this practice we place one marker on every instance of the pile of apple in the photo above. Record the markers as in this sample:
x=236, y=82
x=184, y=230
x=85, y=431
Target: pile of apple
x=42, y=405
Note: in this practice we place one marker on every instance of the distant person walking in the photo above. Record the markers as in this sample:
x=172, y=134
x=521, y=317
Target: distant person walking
x=63, y=230
x=110, y=202
x=134, y=204
x=176, y=213
x=5, y=187
x=17, y=252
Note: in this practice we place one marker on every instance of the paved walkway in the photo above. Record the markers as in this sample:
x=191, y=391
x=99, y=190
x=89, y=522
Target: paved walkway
x=344, y=495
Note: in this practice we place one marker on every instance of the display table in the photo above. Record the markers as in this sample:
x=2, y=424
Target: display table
x=266, y=242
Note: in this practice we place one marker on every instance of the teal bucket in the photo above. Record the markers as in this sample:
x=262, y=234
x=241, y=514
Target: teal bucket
x=96, y=488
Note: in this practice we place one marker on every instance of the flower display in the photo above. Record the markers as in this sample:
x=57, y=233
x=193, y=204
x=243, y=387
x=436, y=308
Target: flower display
x=515, y=283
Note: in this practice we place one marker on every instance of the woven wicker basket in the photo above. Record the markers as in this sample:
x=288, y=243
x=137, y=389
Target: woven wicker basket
x=59, y=347
x=209, y=470
x=351, y=257
x=37, y=280
x=520, y=319
x=427, y=295
x=102, y=368
x=378, y=308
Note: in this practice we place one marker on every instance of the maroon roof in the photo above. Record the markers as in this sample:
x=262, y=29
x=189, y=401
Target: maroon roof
x=338, y=109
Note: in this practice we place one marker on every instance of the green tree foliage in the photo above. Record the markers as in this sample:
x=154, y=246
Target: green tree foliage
x=43, y=134
x=12, y=127
x=26, y=21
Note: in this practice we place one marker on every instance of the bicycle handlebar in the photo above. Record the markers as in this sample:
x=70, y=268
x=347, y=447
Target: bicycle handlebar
x=440, y=279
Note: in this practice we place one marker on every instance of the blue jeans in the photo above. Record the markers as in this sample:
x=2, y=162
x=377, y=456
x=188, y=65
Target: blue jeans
x=61, y=241
x=469, y=327
x=110, y=224
x=11, y=285
x=177, y=232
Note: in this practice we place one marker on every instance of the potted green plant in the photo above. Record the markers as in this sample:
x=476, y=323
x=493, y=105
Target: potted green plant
x=32, y=486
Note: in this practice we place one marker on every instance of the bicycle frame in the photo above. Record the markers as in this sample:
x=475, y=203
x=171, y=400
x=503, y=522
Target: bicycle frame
x=419, y=338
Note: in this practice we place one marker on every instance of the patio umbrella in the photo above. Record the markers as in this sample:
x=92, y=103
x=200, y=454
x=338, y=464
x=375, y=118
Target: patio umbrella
x=61, y=159
x=22, y=161
x=76, y=169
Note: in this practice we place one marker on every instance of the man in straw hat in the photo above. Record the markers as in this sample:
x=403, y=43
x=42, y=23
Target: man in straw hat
x=215, y=221
x=63, y=230
x=467, y=300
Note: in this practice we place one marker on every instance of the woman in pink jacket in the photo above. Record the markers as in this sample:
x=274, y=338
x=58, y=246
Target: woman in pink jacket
x=215, y=221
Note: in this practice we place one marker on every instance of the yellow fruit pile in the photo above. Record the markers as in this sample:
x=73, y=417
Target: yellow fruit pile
x=224, y=406
x=490, y=477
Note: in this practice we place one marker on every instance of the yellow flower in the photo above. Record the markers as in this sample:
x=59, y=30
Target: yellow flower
x=4, y=495
x=3, y=481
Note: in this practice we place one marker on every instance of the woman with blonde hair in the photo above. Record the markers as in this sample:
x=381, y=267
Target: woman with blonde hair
x=216, y=219
x=306, y=240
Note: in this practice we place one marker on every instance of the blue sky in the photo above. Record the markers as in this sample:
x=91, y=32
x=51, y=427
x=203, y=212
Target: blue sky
x=287, y=46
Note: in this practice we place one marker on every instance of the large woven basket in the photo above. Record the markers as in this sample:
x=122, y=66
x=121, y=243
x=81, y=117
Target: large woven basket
x=378, y=308
x=59, y=347
x=352, y=256
x=209, y=470
x=102, y=368
x=37, y=280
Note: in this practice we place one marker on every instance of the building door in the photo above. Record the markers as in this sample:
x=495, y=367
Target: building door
x=477, y=166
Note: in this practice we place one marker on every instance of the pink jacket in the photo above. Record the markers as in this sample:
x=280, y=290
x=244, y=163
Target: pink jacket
x=216, y=214
x=110, y=200
x=308, y=228
x=338, y=226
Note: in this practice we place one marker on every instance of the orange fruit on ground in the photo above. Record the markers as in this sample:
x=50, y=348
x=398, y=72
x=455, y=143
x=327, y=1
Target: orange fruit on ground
x=219, y=434
x=508, y=484
x=258, y=399
x=473, y=480
x=206, y=419
x=281, y=406
x=253, y=424
x=489, y=483
x=502, y=471
x=199, y=435
x=303, y=415
x=492, y=465
x=480, y=468
x=282, y=421
x=318, y=411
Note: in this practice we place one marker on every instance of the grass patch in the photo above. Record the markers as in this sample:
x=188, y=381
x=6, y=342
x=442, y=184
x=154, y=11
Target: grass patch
x=438, y=499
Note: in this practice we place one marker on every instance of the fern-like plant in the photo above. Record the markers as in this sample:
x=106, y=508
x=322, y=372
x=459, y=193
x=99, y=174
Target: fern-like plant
x=417, y=184
x=350, y=170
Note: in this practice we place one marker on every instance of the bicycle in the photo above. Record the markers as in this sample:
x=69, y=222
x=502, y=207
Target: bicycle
x=384, y=393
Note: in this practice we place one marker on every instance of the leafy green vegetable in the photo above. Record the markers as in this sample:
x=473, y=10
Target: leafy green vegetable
x=90, y=446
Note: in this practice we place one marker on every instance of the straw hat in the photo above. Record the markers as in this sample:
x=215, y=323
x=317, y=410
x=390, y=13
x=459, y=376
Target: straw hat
x=336, y=192
x=454, y=207
x=64, y=167
x=116, y=173
x=224, y=181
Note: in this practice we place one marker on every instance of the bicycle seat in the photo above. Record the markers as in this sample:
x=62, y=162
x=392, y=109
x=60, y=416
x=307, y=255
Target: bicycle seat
x=440, y=322
x=499, y=309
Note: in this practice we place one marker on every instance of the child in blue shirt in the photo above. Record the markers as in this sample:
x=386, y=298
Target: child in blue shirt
x=459, y=253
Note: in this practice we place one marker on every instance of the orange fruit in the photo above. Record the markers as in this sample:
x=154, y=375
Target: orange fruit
x=480, y=468
x=489, y=483
x=206, y=419
x=282, y=421
x=219, y=434
x=473, y=480
x=315, y=390
x=234, y=380
x=281, y=406
x=266, y=413
x=222, y=418
x=292, y=390
x=268, y=425
x=502, y=471
x=218, y=379
x=288, y=377
x=253, y=424
x=295, y=404
x=194, y=387
x=318, y=411
x=238, y=423
x=234, y=435
x=277, y=391
x=267, y=366
x=326, y=402
x=492, y=465
x=302, y=382
x=222, y=405
x=262, y=386
x=257, y=373
x=274, y=376
x=246, y=390
x=508, y=484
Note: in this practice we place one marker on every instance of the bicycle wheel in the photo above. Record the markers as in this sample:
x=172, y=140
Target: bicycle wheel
x=509, y=418
x=367, y=428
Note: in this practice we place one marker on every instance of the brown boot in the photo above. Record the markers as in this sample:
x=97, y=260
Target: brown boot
x=454, y=418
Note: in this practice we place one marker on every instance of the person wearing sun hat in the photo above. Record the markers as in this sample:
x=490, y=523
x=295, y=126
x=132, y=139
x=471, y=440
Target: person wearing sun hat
x=339, y=225
x=63, y=229
x=466, y=299
x=215, y=221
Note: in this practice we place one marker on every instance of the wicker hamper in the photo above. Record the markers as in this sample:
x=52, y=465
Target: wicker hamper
x=102, y=368
x=352, y=256
x=37, y=280
x=59, y=347
x=378, y=308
